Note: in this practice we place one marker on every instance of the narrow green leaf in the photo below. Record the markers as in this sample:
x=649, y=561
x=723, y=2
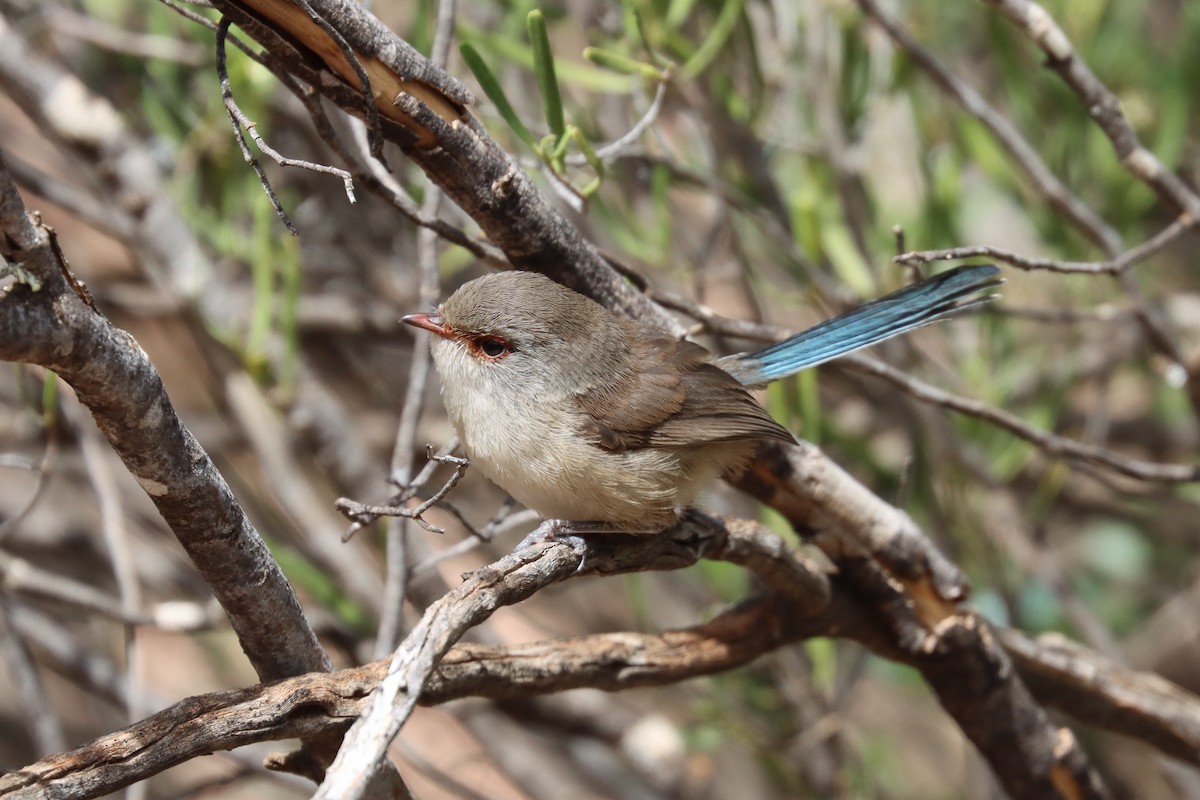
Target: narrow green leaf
x=543, y=70
x=494, y=91
x=589, y=153
x=678, y=12
x=639, y=25
x=715, y=40
x=263, y=280
x=660, y=186
x=580, y=74
x=622, y=64
x=289, y=310
x=558, y=153
x=591, y=187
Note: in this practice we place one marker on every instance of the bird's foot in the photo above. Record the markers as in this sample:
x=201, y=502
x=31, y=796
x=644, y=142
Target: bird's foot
x=574, y=533
x=570, y=531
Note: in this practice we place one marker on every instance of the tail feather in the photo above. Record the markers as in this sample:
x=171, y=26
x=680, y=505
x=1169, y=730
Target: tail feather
x=904, y=310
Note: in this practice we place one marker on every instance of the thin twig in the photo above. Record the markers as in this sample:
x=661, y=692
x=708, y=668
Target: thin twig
x=20, y=577
x=397, y=571
x=1042, y=177
x=27, y=688
x=41, y=471
x=240, y=121
x=96, y=31
x=1101, y=104
x=618, y=147
x=406, y=493
x=1104, y=107
x=374, y=127
x=1049, y=443
x=116, y=540
x=1114, y=266
x=499, y=525
x=363, y=514
x=200, y=19
x=374, y=175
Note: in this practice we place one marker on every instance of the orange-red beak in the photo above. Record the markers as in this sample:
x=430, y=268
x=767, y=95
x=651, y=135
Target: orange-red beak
x=435, y=323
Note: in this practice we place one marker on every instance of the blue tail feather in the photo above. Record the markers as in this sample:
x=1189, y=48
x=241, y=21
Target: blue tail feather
x=896, y=313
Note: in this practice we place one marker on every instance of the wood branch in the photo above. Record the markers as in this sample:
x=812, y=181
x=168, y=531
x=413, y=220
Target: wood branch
x=1082, y=684
x=448, y=144
x=1101, y=692
x=917, y=586
x=49, y=320
x=56, y=328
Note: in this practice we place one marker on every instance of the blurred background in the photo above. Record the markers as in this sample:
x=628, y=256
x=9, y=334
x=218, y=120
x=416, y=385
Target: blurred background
x=788, y=144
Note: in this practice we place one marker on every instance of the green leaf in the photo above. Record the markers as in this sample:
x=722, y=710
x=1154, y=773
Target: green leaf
x=50, y=398
x=622, y=64
x=543, y=70
x=494, y=91
x=585, y=76
x=715, y=40
x=585, y=147
x=678, y=12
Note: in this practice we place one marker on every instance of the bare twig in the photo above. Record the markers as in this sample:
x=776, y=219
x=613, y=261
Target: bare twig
x=1120, y=263
x=444, y=622
x=113, y=377
x=1052, y=444
x=616, y=148
x=1043, y=179
x=1101, y=104
x=374, y=133
x=240, y=121
x=1049, y=443
x=200, y=19
x=396, y=583
x=21, y=577
x=315, y=523
x=64, y=22
x=497, y=526
x=362, y=514
x=44, y=727
x=41, y=470
x=120, y=552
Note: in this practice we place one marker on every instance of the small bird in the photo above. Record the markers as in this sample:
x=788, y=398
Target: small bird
x=595, y=419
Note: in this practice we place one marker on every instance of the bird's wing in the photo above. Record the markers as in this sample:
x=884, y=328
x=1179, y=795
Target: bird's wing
x=675, y=398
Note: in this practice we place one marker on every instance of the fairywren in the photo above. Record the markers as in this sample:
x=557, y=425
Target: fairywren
x=587, y=416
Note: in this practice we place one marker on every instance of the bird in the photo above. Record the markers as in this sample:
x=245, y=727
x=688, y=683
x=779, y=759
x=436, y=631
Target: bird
x=609, y=424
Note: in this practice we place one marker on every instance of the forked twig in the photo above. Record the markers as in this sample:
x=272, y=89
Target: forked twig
x=363, y=514
x=239, y=120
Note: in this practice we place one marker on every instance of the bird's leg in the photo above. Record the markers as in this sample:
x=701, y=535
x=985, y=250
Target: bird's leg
x=573, y=533
x=570, y=531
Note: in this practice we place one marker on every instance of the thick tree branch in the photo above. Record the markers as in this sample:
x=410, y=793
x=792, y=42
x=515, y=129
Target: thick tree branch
x=50, y=321
x=56, y=328
x=429, y=121
x=1078, y=682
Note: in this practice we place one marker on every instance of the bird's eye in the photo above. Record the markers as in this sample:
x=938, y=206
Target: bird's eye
x=493, y=347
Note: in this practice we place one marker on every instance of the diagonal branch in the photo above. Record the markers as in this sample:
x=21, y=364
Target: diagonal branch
x=56, y=328
x=423, y=111
x=803, y=603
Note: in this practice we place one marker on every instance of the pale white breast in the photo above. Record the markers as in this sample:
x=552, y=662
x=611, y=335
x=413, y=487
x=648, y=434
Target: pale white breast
x=530, y=442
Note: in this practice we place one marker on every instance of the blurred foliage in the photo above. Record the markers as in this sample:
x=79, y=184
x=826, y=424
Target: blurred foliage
x=740, y=72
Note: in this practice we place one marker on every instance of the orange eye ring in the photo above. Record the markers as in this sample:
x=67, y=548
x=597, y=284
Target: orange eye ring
x=492, y=348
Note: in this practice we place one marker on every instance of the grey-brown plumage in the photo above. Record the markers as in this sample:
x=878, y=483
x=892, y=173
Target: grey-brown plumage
x=587, y=416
